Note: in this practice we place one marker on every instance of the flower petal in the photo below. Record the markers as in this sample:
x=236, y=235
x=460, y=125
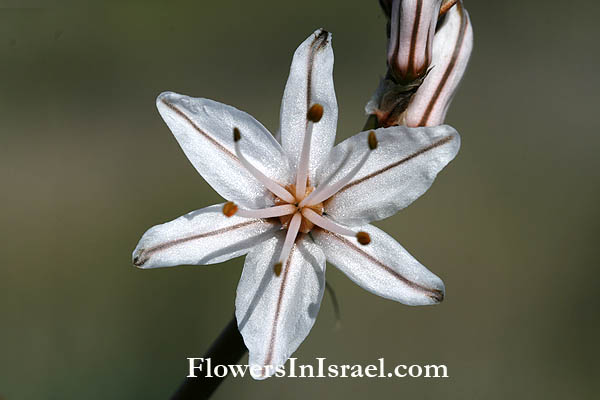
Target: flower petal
x=204, y=130
x=452, y=46
x=310, y=81
x=204, y=236
x=400, y=170
x=382, y=267
x=276, y=313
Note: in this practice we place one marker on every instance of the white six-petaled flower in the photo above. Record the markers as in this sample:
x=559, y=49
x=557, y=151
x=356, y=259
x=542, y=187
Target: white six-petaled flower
x=295, y=202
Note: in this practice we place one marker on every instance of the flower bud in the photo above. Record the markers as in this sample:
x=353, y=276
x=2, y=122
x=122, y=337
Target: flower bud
x=452, y=46
x=412, y=28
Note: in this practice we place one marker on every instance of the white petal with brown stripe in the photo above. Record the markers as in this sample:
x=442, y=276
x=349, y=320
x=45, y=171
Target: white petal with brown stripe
x=310, y=82
x=276, y=313
x=384, y=267
x=203, y=129
x=401, y=169
x=204, y=236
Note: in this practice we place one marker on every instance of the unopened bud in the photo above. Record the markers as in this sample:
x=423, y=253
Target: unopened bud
x=412, y=28
x=451, y=51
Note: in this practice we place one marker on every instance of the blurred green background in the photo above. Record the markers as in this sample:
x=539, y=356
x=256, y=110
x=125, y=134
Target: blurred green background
x=87, y=165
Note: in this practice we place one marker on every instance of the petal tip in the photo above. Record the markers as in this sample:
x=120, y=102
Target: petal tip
x=322, y=38
x=138, y=259
x=164, y=95
x=437, y=295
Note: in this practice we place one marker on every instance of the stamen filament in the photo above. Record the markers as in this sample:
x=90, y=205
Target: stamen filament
x=326, y=223
x=269, y=212
x=270, y=184
x=314, y=115
x=290, y=237
x=323, y=192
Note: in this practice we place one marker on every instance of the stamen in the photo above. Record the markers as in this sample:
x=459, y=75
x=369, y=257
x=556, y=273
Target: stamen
x=290, y=237
x=314, y=115
x=277, y=268
x=269, y=212
x=363, y=238
x=229, y=209
x=323, y=192
x=372, y=140
x=271, y=185
x=326, y=223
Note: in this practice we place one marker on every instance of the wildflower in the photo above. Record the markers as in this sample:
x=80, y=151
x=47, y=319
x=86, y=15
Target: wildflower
x=296, y=202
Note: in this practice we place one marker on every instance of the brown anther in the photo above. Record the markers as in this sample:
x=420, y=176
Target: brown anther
x=229, y=209
x=315, y=113
x=372, y=140
x=363, y=238
x=237, y=135
x=277, y=268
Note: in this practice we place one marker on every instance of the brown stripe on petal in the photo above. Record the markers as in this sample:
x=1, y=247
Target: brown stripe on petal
x=218, y=145
x=397, y=163
x=449, y=70
x=410, y=69
x=317, y=44
x=145, y=254
x=434, y=294
x=271, y=350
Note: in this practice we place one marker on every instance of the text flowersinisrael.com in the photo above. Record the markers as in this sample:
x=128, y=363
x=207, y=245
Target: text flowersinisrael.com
x=320, y=369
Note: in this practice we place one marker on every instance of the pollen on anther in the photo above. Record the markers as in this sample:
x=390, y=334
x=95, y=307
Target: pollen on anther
x=277, y=268
x=315, y=113
x=363, y=238
x=237, y=135
x=229, y=209
x=372, y=140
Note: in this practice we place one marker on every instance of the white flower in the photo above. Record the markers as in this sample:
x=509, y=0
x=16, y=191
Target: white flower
x=296, y=202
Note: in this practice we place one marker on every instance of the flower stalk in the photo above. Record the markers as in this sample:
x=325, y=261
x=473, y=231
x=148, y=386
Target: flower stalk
x=227, y=349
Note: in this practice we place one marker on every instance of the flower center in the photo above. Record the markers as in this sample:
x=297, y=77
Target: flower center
x=305, y=224
x=299, y=206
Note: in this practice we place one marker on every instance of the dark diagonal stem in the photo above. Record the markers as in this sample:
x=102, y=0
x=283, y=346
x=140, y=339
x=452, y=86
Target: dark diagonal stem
x=227, y=349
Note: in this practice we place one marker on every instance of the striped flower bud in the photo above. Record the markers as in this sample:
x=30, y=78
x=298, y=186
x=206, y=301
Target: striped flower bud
x=412, y=28
x=452, y=46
